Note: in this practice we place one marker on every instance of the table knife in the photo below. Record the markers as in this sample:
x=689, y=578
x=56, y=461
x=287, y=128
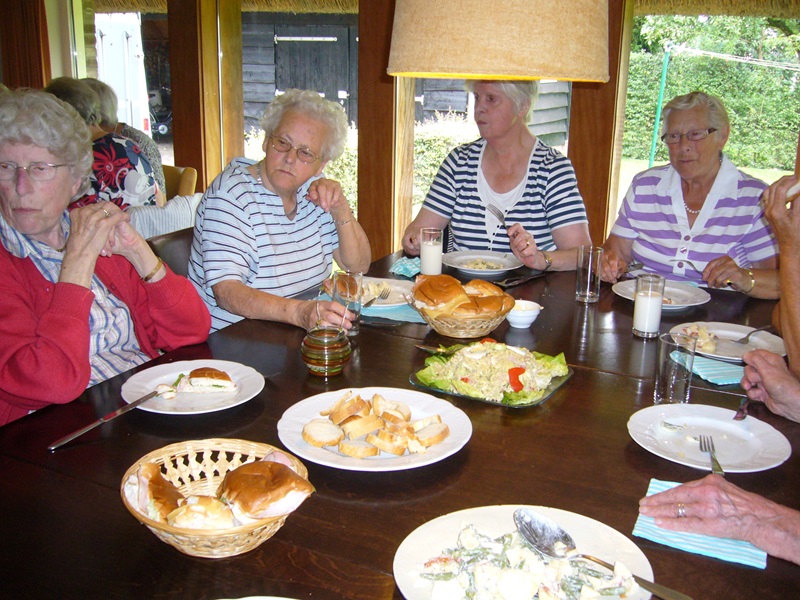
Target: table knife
x=110, y=416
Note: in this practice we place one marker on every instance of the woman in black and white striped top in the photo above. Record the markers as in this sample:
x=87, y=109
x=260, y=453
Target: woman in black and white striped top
x=530, y=182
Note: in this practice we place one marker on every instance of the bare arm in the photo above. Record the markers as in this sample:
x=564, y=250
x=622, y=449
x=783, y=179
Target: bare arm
x=716, y=507
x=353, y=252
x=240, y=299
x=785, y=222
x=567, y=239
x=425, y=218
x=618, y=252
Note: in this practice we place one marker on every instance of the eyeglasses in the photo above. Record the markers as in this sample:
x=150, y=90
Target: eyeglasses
x=37, y=171
x=283, y=146
x=693, y=136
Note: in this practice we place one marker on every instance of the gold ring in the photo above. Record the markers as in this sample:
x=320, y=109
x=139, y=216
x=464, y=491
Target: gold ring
x=528, y=243
x=681, y=510
x=106, y=213
x=728, y=282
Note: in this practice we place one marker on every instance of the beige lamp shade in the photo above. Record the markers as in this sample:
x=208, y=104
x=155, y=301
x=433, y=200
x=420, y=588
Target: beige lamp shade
x=500, y=39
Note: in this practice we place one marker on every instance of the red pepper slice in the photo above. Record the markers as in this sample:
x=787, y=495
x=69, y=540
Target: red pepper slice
x=488, y=340
x=513, y=378
x=465, y=379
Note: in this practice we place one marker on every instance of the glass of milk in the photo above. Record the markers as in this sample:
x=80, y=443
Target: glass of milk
x=647, y=305
x=430, y=251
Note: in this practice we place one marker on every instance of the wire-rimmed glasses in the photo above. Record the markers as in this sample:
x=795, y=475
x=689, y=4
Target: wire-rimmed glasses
x=283, y=146
x=695, y=135
x=37, y=171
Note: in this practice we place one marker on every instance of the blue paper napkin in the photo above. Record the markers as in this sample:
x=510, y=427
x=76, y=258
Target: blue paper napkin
x=394, y=313
x=724, y=549
x=717, y=372
x=407, y=267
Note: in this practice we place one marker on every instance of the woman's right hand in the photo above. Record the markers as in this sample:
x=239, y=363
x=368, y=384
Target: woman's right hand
x=91, y=235
x=324, y=313
x=613, y=265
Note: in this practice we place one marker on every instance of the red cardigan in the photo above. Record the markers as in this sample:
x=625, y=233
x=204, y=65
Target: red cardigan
x=44, y=328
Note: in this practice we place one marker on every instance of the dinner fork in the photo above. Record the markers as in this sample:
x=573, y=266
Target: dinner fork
x=707, y=445
x=688, y=262
x=382, y=296
x=497, y=213
x=745, y=339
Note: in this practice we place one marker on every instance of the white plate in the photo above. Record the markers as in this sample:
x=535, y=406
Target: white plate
x=726, y=332
x=397, y=297
x=682, y=295
x=290, y=429
x=249, y=381
x=459, y=260
x=430, y=539
x=744, y=446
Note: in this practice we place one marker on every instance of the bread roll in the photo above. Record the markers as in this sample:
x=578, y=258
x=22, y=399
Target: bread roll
x=205, y=380
x=262, y=489
x=157, y=497
x=438, y=294
x=202, y=512
x=479, y=287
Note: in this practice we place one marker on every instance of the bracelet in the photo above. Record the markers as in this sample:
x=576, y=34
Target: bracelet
x=152, y=273
x=548, y=260
x=752, y=282
x=344, y=222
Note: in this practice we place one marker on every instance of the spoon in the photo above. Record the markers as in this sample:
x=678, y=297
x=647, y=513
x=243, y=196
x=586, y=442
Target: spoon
x=550, y=540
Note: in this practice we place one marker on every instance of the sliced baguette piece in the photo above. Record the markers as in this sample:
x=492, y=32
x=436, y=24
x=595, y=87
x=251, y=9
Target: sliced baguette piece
x=355, y=426
x=379, y=404
x=388, y=443
x=402, y=408
x=390, y=415
x=433, y=434
x=321, y=432
x=358, y=448
x=354, y=406
x=337, y=404
x=425, y=421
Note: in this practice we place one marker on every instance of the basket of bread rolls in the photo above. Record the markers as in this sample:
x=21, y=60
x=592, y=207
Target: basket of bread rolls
x=470, y=310
x=217, y=497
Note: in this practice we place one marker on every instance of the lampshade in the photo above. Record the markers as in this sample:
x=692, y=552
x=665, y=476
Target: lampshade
x=500, y=39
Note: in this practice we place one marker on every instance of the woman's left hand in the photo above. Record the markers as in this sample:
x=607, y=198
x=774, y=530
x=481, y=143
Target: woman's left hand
x=723, y=272
x=328, y=195
x=523, y=245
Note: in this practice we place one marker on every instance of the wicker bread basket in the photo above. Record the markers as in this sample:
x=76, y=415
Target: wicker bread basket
x=197, y=468
x=464, y=327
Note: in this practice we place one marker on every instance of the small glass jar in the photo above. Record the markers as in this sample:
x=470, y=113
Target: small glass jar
x=326, y=351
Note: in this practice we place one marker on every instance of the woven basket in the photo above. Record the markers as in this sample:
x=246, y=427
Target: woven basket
x=464, y=327
x=197, y=468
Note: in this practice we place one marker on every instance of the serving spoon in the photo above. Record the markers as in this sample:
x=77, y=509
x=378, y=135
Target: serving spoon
x=550, y=540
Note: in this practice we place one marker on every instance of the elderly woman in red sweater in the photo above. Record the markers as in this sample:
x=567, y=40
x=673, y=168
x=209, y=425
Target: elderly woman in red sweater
x=85, y=297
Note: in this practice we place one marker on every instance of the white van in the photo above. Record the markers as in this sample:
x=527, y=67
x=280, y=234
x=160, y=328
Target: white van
x=120, y=64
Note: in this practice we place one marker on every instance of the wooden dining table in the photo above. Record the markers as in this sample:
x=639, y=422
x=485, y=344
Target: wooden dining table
x=67, y=534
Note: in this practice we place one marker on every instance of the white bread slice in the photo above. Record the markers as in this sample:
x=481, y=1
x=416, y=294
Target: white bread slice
x=358, y=448
x=425, y=421
x=354, y=406
x=390, y=415
x=433, y=434
x=355, y=427
x=379, y=404
x=321, y=432
x=402, y=408
x=337, y=404
x=388, y=442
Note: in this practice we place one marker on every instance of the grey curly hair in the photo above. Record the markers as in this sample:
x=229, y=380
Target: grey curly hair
x=82, y=98
x=521, y=93
x=717, y=115
x=310, y=104
x=35, y=117
x=108, y=101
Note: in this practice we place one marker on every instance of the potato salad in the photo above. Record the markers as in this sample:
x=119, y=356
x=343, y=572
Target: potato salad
x=506, y=568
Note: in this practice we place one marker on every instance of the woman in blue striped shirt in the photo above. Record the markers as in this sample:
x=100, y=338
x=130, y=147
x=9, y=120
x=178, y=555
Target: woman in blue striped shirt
x=531, y=183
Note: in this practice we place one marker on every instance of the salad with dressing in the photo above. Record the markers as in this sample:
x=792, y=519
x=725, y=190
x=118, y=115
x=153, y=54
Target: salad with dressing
x=493, y=371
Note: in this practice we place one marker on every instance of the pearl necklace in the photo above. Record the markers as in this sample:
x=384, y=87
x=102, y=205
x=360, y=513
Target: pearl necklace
x=690, y=211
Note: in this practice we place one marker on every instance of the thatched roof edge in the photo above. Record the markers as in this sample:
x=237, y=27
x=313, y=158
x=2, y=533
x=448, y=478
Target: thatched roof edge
x=287, y=6
x=781, y=9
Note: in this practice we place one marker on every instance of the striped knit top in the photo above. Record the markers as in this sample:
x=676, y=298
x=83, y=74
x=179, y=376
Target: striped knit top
x=242, y=233
x=731, y=222
x=550, y=199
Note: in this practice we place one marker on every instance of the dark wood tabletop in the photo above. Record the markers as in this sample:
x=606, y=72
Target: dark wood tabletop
x=66, y=533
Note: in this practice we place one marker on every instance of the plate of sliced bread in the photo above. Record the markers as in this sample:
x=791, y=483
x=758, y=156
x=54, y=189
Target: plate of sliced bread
x=374, y=429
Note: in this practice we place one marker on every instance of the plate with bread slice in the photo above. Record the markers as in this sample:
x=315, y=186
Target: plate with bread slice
x=374, y=429
x=193, y=387
x=395, y=291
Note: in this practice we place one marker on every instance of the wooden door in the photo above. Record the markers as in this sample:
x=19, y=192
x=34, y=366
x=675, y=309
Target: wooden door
x=316, y=58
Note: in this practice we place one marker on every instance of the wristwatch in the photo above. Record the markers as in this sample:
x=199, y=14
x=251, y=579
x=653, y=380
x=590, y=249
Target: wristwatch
x=548, y=260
